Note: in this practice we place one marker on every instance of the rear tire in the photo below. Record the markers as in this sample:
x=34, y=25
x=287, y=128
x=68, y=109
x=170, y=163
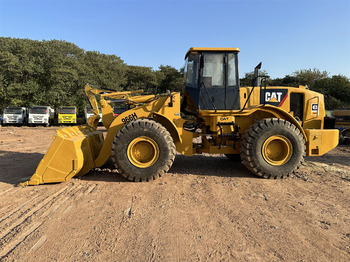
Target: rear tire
x=143, y=150
x=273, y=148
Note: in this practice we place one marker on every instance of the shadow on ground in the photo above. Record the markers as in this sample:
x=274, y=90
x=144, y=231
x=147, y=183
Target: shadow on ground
x=202, y=165
x=19, y=167
x=199, y=165
x=342, y=158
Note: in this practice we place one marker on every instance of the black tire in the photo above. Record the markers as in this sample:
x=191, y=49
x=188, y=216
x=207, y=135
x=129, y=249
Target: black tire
x=145, y=134
x=263, y=136
x=234, y=157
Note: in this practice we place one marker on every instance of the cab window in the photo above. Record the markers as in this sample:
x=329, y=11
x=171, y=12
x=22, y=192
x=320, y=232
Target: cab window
x=191, y=70
x=213, y=70
x=231, y=70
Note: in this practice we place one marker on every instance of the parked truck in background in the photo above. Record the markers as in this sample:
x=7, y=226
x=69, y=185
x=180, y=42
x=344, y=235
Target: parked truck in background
x=40, y=115
x=67, y=115
x=15, y=116
x=89, y=112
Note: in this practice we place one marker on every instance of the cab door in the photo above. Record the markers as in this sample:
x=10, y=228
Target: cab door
x=212, y=86
x=219, y=85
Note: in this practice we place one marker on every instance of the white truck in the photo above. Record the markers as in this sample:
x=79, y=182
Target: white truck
x=40, y=115
x=89, y=113
x=14, y=116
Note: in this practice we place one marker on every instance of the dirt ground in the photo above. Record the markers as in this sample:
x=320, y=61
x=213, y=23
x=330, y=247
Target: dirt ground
x=205, y=209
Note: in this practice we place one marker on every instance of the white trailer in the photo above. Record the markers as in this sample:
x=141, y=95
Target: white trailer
x=15, y=116
x=40, y=115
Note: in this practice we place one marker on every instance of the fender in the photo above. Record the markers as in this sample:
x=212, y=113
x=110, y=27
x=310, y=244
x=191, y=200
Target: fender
x=169, y=125
x=144, y=111
x=279, y=113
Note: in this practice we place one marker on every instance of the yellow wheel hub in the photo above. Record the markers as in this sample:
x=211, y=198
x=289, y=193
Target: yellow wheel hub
x=277, y=150
x=143, y=152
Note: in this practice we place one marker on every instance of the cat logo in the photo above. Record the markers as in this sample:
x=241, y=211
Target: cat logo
x=275, y=97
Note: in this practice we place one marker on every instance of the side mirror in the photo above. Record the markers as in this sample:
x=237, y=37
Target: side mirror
x=255, y=81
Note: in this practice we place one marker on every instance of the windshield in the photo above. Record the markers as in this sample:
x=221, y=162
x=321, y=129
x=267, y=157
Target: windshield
x=90, y=110
x=38, y=110
x=67, y=110
x=13, y=110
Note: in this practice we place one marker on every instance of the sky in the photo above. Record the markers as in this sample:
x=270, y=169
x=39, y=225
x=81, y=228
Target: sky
x=286, y=35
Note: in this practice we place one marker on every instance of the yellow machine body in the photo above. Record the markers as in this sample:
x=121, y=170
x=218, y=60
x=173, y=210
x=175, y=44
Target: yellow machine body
x=76, y=150
x=71, y=154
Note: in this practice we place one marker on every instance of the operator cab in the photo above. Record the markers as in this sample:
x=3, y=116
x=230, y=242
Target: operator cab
x=211, y=79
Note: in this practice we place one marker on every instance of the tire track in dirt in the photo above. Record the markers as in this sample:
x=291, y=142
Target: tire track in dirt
x=87, y=191
x=7, y=190
x=78, y=193
x=54, y=208
x=5, y=207
x=73, y=193
x=39, y=243
x=18, y=208
x=21, y=238
x=13, y=241
x=38, y=206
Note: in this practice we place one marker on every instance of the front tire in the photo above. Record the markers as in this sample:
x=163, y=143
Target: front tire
x=143, y=150
x=273, y=148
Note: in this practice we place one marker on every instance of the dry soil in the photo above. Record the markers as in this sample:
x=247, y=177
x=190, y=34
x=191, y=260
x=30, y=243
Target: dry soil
x=205, y=209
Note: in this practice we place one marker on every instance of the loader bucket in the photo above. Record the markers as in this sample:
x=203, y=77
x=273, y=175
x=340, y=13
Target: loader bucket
x=71, y=154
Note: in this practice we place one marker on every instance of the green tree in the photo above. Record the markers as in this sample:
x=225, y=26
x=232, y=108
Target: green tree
x=172, y=79
x=53, y=72
x=247, y=80
x=288, y=80
x=140, y=77
x=336, y=90
x=309, y=76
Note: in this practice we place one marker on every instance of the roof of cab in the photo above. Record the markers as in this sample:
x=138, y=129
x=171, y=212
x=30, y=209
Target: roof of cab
x=212, y=49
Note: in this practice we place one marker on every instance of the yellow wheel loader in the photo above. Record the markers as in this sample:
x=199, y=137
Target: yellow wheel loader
x=270, y=129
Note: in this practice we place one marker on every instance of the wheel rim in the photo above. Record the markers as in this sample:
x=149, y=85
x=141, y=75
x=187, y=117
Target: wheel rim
x=277, y=150
x=143, y=152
